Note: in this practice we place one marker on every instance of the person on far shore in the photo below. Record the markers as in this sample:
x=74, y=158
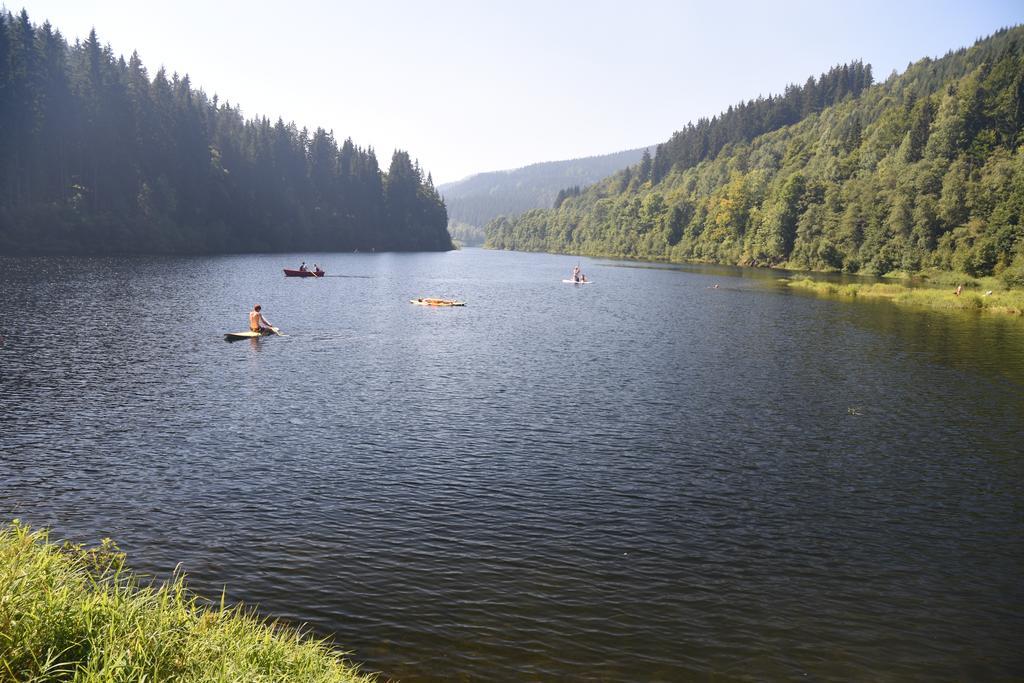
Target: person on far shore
x=959, y=288
x=257, y=323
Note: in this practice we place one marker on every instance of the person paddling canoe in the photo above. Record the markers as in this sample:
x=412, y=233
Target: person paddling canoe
x=257, y=323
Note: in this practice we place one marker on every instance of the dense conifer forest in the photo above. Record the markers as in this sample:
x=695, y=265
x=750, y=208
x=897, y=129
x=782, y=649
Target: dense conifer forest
x=924, y=170
x=97, y=155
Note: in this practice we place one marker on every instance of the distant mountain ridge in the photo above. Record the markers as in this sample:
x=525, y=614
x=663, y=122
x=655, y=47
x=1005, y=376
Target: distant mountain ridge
x=479, y=198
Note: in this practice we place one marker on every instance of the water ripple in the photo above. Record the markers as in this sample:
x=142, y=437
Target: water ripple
x=645, y=479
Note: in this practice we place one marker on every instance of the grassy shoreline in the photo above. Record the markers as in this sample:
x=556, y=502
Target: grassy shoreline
x=997, y=301
x=69, y=613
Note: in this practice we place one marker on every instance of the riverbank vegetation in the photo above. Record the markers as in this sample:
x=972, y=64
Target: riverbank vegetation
x=923, y=170
x=466, y=235
x=99, y=156
x=69, y=613
x=984, y=294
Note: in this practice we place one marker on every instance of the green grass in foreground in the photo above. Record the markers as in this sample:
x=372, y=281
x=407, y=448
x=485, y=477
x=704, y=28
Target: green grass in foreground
x=1002, y=301
x=68, y=613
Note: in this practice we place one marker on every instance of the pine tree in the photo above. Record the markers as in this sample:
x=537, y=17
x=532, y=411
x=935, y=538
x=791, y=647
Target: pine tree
x=6, y=111
x=921, y=119
x=644, y=172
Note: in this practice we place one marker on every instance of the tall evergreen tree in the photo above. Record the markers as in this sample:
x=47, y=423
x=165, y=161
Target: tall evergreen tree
x=645, y=167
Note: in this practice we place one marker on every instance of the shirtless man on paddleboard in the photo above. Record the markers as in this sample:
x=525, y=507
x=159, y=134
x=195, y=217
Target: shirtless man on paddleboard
x=257, y=323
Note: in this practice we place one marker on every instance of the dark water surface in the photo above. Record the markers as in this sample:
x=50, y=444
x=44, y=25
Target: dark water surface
x=640, y=479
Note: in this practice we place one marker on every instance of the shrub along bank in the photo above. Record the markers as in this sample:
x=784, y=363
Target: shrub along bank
x=982, y=294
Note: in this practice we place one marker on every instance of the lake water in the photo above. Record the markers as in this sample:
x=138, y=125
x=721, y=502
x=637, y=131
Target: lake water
x=640, y=479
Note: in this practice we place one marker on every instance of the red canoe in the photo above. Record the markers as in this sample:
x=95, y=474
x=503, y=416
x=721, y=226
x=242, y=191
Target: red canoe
x=302, y=273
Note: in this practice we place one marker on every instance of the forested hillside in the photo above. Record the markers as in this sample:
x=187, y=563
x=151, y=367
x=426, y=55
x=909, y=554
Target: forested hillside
x=923, y=170
x=475, y=200
x=97, y=155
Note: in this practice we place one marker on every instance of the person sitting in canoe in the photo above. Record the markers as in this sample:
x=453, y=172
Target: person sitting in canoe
x=302, y=268
x=257, y=323
x=316, y=270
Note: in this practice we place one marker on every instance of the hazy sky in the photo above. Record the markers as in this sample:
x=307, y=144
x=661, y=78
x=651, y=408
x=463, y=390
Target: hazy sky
x=470, y=86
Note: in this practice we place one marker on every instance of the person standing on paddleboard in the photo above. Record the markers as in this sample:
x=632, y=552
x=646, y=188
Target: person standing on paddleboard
x=257, y=323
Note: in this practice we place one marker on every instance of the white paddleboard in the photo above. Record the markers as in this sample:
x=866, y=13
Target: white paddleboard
x=580, y=282
x=235, y=336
